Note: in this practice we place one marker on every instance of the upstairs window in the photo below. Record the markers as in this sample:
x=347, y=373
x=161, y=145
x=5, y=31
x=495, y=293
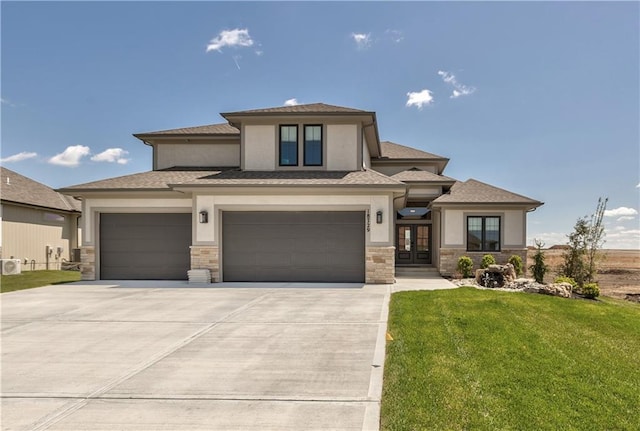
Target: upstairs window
x=313, y=145
x=483, y=233
x=288, y=145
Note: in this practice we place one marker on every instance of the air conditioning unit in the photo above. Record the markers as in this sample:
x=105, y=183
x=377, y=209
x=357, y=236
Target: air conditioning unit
x=10, y=266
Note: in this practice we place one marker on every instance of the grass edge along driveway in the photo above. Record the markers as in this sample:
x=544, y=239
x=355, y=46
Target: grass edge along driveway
x=31, y=279
x=469, y=359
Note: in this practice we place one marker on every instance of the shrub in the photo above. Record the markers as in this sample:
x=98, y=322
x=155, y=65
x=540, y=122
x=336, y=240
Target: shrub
x=465, y=266
x=591, y=290
x=487, y=260
x=539, y=268
x=516, y=261
x=564, y=279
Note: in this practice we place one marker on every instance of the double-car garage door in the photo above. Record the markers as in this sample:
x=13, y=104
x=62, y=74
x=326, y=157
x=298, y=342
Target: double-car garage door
x=293, y=246
x=256, y=246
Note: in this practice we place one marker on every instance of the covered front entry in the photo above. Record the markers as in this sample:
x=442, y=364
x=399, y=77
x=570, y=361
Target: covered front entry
x=304, y=246
x=413, y=244
x=145, y=246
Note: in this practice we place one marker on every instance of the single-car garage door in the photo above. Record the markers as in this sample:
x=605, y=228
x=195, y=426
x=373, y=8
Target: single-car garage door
x=145, y=246
x=293, y=246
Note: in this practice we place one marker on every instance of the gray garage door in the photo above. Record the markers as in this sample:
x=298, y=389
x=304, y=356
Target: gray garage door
x=293, y=246
x=145, y=246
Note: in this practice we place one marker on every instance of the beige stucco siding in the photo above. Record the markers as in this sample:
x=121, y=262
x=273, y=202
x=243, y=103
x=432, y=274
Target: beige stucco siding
x=218, y=154
x=514, y=228
x=259, y=148
x=342, y=147
x=378, y=234
x=426, y=193
x=366, y=155
x=453, y=227
x=26, y=232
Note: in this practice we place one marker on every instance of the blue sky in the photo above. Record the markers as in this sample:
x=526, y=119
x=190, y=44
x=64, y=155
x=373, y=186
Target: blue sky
x=539, y=98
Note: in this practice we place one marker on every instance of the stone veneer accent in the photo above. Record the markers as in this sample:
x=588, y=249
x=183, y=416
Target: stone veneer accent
x=88, y=259
x=449, y=258
x=380, y=265
x=206, y=257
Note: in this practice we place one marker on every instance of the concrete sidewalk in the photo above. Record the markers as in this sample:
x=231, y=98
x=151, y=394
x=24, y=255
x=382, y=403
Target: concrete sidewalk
x=100, y=357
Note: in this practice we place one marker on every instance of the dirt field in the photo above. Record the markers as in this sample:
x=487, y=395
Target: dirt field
x=618, y=273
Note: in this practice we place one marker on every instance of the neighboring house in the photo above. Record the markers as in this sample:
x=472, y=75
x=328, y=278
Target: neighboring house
x=297, y=193
x=39, y=225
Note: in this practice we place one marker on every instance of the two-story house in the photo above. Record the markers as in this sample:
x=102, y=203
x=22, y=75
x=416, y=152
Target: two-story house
x=297, y=193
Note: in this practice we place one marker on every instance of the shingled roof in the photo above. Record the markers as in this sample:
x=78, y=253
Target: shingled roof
x=223, y=129
x=391, y=150
x=311, y=108
x=419, y=176
x=476, y=192
x=20, y=189
x=169, y=179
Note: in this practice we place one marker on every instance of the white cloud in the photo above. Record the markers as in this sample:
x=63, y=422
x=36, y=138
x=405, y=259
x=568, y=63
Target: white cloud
x=233, y=38
x=458, y=88
x=623, y=238
x=638, y=186
x=621, y=211
x=19, y=157
x=71, y=156
x=626, y=218
x=112, y=155
x=395, y=35
x=6, y=102
x=363, y=40
x=291, y=102
x=420, y=98
x=548, y=238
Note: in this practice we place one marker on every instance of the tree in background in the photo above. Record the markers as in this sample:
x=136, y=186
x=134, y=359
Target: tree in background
x=580, y=260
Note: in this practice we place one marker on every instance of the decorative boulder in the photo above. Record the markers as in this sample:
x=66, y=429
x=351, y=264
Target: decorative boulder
x=555, y=289
x=496, y=275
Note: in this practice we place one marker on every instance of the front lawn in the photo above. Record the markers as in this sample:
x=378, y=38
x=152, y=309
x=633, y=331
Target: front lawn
x=30, y=279
x=469, y=359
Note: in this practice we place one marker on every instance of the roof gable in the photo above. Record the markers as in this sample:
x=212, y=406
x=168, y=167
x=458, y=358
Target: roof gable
x=20, y=189
x=476, y=192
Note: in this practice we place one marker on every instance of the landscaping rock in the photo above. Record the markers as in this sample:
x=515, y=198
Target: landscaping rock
x=496, y=275
x=555, y=289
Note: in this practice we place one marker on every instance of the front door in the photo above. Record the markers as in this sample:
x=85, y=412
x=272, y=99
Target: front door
x=413, y=244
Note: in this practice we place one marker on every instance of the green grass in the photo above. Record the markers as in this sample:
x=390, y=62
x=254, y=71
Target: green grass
x=31, y=279
x=469, y=359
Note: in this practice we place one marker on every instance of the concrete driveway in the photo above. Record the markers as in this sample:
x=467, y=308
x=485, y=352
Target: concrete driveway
x=231, y=357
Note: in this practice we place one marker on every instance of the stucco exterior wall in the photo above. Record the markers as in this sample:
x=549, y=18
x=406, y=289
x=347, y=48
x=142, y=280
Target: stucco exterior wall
x=259, y=148
x=26, y=233
x=342, y=147
x=453, y=227
x=216, y=154
x=210, y=233
x=424, y=193
x=366, y=155
x=515, y=228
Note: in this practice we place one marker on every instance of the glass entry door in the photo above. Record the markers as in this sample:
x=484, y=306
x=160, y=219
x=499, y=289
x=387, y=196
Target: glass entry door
x=413, y=244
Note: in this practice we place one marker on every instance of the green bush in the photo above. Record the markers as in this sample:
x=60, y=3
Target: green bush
x=487, y=260
x=539, y=268
x=465, y=266
x=516, y=261
x=564, y=279
x=591, y=290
